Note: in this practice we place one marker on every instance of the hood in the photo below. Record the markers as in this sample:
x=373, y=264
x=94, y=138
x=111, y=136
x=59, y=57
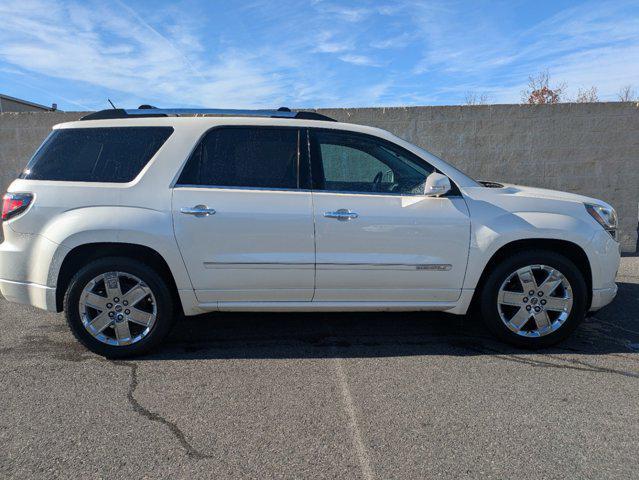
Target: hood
x=517, y=198
x=543, y=193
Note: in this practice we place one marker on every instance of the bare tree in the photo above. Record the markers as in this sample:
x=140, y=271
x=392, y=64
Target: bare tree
x=587, y=96
x=627, y=94
x=539, y=91
x=473, y=98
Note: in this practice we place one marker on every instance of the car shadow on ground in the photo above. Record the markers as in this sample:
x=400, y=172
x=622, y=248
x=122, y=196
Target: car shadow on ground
x=614, y=329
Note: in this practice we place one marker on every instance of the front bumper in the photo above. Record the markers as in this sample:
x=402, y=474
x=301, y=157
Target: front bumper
x=40, y=296
x=602, y=297
x=604, y=259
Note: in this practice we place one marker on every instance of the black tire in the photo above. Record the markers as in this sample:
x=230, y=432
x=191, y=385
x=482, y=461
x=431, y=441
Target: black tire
x=492, y=284
x=163, y=300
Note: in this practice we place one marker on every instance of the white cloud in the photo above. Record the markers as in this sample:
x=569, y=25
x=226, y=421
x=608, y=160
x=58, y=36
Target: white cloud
x=361, y=60
x=326, y=43
x=116, y=49
x=398, y=41
x=348, y=14
x=430, y=51
x=162, y=58
x=582, y=46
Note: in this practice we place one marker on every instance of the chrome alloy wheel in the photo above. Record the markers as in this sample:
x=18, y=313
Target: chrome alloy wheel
x=535, y=300
x=117, y=308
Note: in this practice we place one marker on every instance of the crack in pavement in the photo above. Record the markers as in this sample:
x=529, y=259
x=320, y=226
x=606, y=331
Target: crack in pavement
x=625, y=357
x=618, y=327
x=595, y=368
x=141, y=410
x=351, y=412
x=350, y=409
x=572, y=363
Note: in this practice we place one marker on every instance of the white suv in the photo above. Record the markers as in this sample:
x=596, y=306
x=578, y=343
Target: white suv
x=127, y=219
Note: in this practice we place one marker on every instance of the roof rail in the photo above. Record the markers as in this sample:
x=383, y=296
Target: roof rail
x=149, y=111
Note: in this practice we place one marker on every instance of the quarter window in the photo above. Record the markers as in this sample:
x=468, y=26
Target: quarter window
x=245, y=157
x=113, y=154
x=351, y=162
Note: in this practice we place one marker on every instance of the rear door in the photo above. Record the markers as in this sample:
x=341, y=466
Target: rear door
x=378, y=238
x=243, y=219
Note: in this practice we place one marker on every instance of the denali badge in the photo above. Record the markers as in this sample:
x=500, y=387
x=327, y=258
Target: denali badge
x=441, y=267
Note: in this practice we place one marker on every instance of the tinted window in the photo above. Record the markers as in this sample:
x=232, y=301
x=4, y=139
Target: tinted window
x=342, y=163
x=115, y=154
x=350, y=162
x=245, y=157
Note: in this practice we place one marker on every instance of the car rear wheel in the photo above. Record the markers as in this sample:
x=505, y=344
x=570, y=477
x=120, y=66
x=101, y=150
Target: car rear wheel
x=118, y=307
x=534, y=299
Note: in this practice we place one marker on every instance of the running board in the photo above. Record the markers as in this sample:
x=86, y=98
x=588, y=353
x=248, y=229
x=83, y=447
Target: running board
x=333, y=306
x=452, y=307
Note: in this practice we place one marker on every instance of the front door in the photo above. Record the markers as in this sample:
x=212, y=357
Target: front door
x=242, y=221
x=378, y=238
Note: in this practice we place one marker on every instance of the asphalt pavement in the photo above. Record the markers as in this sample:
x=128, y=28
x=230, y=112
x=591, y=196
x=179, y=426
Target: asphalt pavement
x=371, y=396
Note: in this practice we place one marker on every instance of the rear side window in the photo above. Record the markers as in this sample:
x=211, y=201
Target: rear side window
x=245, y=157
x=116, y=154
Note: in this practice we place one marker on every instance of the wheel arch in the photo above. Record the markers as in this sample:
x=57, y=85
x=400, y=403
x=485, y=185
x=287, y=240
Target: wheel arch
x=85, y=253
x=569, y=249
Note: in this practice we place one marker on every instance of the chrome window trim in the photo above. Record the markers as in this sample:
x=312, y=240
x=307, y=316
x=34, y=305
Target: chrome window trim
x=384, y=194
x=333, y=192
x=222, y=187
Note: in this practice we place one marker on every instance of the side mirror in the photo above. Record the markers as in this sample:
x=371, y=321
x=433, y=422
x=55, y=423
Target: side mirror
x=436, y=185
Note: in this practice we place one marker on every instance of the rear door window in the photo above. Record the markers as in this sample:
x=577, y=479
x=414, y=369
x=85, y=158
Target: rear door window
x=251, y=157
x=114, y=154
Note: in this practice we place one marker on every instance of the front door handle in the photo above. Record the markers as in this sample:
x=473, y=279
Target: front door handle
x=342, y=215
x=198, y=211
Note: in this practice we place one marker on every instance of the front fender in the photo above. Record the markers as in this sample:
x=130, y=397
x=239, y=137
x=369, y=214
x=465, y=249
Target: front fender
x=491, y=233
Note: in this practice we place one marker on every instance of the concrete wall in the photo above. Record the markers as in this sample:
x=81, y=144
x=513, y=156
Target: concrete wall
x=592, y=149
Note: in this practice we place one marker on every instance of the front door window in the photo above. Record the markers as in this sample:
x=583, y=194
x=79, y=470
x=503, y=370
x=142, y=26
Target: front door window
x=354, y=163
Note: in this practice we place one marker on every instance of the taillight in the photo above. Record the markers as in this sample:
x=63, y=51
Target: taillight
x=14, y=204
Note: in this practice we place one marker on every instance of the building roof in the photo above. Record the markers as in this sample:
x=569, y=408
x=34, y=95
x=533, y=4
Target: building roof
x=26, y=103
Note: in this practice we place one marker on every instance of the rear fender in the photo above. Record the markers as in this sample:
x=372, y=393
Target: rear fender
x=139, y=226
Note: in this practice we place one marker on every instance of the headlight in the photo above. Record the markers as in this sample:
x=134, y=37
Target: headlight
x=605, y=216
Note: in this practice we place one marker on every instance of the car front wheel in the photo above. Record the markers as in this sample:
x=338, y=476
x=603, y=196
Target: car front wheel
x=534, y=299
x=118, y=307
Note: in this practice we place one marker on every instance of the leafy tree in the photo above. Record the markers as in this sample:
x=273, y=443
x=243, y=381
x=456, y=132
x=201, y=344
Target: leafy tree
x=539, y=91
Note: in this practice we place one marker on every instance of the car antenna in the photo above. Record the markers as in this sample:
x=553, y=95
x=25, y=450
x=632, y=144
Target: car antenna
x=111, y=104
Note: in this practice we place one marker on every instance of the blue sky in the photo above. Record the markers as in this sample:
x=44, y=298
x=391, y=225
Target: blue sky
x=319, y=53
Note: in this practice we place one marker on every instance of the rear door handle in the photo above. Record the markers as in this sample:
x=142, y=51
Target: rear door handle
x=198, y=211
x=342, y=214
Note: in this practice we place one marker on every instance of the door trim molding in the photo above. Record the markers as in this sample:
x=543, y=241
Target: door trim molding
x=256, y=265
x=438, y=267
